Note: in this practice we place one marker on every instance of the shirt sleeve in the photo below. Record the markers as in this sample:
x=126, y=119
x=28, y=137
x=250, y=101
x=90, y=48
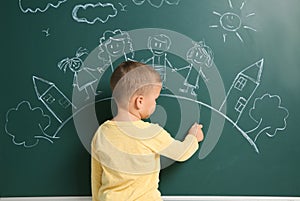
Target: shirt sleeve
x=164, y=144
x=181, y=151
x=96, y=175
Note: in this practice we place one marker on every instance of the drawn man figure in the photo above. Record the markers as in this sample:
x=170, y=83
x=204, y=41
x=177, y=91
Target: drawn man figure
x=159, y=45
x=113, y=45
x=199, y=56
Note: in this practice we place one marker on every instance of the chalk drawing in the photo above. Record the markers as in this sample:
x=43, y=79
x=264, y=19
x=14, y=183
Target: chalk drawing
x=115, y=44
x=35, y=9
x=101, y=70
x=138, y=2
x=266, y=124
x=123, y=7
x=53, y=99
x=98, y=8
x=242, y=90
x=251, y=142
x=26, y=125
x=238, y=96
x=231, y=22
x=76, y=65
x=156, y=3
x=159, y=45
x=46, y=31
x=199, y=56
x=272, y=98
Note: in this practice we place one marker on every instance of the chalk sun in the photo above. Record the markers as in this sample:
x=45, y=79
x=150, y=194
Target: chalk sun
x=231, y=22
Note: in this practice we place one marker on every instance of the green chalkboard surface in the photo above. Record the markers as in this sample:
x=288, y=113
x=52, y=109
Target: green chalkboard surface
x=232, y=65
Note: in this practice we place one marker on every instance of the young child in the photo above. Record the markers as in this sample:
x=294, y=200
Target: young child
x=126, y=150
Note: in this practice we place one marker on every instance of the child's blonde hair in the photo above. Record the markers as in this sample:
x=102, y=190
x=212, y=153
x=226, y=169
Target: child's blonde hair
x=132, y=78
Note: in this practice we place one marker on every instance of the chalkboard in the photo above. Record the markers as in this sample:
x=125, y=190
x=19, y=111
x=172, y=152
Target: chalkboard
x=232, y=65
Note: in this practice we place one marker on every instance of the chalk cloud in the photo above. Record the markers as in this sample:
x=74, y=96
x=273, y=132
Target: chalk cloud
x=32, y=7
x=107, y=11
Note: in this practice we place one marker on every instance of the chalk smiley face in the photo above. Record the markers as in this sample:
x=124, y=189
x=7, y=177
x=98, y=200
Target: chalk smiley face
x=115, y=47
x=158, y=46
x=230, y=21
x=198, y=57
x=75, y=64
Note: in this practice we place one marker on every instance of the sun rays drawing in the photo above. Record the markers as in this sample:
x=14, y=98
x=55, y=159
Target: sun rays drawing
x=231, y=22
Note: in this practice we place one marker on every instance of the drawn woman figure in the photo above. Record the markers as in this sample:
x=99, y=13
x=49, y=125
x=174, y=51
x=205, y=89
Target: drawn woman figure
x=199, y=56
x=75, y=64
x=113, y=45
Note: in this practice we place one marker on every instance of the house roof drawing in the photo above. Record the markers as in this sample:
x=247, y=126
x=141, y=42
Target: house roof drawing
x=41, y=86
x=254, y=71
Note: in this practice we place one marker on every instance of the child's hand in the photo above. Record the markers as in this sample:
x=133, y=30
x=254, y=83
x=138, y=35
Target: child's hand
x=196, y=130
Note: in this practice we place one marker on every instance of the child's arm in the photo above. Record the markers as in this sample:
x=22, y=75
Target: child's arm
x=181, y=151
x=96, y=173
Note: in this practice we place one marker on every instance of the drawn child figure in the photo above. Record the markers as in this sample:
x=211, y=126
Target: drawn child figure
x=126, y=150
x=83, y=78
x=113, y=45
x=199, y=56
x=159, y=45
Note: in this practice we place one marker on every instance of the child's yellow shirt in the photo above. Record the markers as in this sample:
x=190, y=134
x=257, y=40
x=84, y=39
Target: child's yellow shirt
x=126, y=159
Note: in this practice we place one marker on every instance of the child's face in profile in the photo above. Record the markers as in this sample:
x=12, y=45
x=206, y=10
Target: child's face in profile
x=150, y=101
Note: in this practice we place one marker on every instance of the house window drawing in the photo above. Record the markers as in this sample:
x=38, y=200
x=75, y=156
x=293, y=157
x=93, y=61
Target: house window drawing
x=64, y=103
x=241, y=103
x=242, y=90
x=49, y=98
x=240, y=83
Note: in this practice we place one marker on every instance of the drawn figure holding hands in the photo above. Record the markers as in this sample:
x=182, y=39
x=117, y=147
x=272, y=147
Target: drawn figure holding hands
x=199, y=56
x=159, y=45
x=76, y=65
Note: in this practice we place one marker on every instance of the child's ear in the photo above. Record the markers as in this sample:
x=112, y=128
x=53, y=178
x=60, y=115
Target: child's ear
x=139, y=101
